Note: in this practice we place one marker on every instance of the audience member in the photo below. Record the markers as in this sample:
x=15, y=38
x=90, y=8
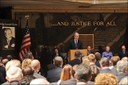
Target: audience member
x=2, y=73
x=123, y=53
x=124, y=81
x=4, y=61
x=106, y=79
x=27, y=76
x=98, y=57
x=83, y=74
x=39, y=81
x=29, y=55
x=35, y=64
x=53, y=75
x=26, y=62
x=13, y=76
x=66, y=76
x=104, y=62
x=85, y=60
x=77, y=59
x=125, y=58
x=13, y=62
x=122, y=68
x=108, y=54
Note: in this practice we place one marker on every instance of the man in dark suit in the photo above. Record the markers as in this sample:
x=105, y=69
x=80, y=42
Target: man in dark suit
x=104, y=62
x=123, y=52
x=8, y=41
x=77, y=59
x=53, y=75
x=75, y=43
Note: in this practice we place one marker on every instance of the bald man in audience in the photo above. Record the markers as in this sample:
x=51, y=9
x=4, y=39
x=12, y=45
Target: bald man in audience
x=13, y=76
x=35, y=64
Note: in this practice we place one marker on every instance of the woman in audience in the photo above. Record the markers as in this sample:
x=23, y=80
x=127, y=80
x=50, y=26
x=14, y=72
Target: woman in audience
x=66, y=73
x=26, y=63
x=106, y=79
x=94, y=71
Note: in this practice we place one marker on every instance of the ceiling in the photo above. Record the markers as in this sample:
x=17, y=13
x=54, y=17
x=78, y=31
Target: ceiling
x=95, y=3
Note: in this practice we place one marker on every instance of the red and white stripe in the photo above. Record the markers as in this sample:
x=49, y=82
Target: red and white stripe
x=25, y=46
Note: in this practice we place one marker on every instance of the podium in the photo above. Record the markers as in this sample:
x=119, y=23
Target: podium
x=72, y=53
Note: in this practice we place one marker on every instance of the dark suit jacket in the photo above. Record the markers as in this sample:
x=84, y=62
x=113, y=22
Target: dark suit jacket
x=74, y=62
x=72, y=44
x=4, y=42
x=121, y=54
x=53, y=75
x=2, y=75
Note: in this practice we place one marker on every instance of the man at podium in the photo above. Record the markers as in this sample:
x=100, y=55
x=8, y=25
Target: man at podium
x=75, y=43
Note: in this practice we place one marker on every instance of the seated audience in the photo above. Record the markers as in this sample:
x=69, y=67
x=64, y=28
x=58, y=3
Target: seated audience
x=124, y=81
x=53, y=75
x=85, y=60
x=13, y=62
x=104, y=62
x=26, y=62
x=83, y=74
x=66, y=76
x=123, y=52
x=29, y=55
x=27, y=76
x=35, y=64
x=94, y=72
x=98, y=57
x=13, y=76
x=4, y=61
x=122, y=68
x=112, y=64
x=106, y=79
x=77, y=59
x=108, y=54
x=39, y=81
x=114, y=60
x=125, y=58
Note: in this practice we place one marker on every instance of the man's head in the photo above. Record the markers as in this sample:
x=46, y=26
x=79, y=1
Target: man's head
x=8, y=33
x=39, y=81
x=76, y=36
x=107, y=48
x=14, y=74
x=123, y=47
x=104, y=62
x=83, y=73
x=78, y=54
x=58, y=61
x=35, y=64
x=89, y=48
x=122, y=66
x=92, y=58
x=98, y=56
x=13, y=62
x=114, y=60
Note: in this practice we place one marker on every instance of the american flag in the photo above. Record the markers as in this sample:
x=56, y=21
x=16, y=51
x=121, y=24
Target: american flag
x=26, y=43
